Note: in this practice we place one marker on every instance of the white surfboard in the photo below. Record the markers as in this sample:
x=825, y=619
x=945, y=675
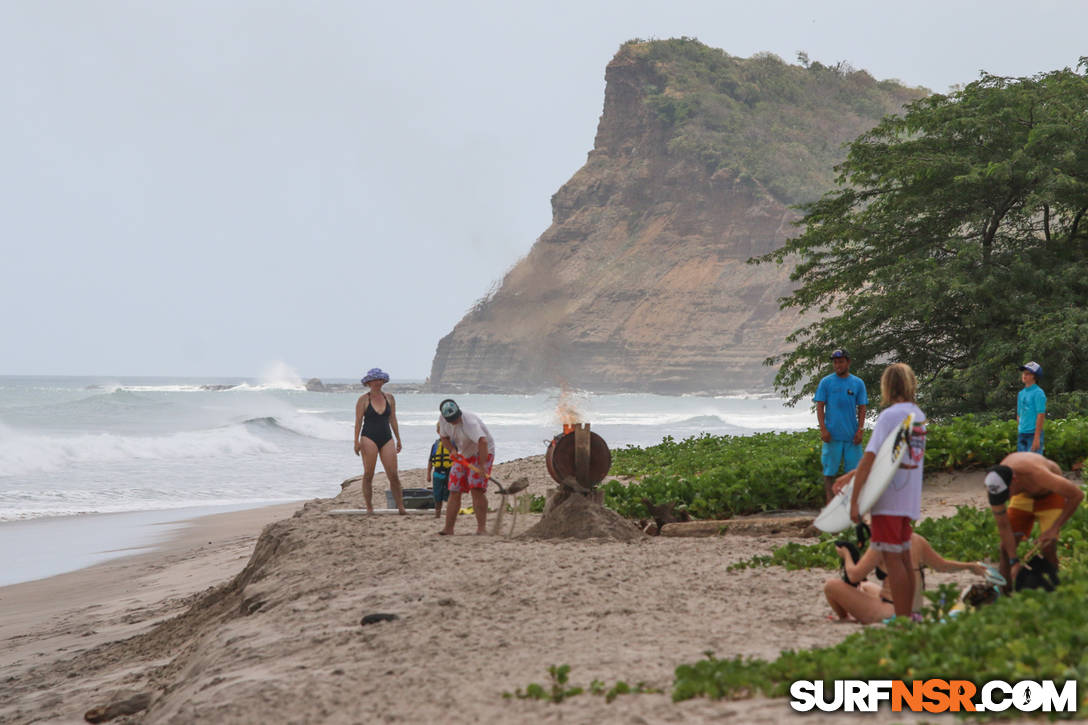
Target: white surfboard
x=835, y=517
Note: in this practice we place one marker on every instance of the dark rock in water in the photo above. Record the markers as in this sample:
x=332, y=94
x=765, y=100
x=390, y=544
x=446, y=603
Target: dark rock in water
x=130, y=704
x=316, y=385
x=217, y=386
x=378, y=617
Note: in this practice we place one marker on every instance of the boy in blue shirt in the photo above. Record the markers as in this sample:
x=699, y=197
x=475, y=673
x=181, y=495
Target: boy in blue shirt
x=840, y=409
x=438, y=475
x=1030, y=409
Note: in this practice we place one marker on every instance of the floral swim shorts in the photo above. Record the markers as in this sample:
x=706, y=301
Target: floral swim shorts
x=463, y=478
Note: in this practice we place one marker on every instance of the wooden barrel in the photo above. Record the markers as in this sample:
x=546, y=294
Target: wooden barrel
x=560, y=459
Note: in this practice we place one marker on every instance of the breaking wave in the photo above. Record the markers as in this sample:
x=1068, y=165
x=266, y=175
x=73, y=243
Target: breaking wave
x=23, y=453
x=309, y=426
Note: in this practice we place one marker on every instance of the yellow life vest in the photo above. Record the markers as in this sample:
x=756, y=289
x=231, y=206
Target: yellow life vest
x=440, y=457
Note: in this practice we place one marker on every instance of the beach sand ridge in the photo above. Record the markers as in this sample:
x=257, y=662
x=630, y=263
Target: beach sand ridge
x=476, y=617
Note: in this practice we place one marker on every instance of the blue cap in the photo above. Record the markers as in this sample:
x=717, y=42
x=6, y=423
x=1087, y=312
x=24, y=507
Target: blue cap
x=840, y=353
x=1034, y=368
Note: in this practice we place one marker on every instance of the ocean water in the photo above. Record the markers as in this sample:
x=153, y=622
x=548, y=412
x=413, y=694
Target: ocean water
x=94, y=468
x=72, y=446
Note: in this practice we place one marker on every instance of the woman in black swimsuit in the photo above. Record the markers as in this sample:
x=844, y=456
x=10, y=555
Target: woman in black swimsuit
x=375, y=427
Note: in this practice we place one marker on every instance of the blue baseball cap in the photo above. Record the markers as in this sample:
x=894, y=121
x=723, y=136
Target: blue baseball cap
x=840, y=353
x=1034, y=368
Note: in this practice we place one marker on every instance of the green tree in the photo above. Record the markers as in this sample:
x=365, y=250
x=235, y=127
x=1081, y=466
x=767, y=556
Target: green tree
x=955, y=240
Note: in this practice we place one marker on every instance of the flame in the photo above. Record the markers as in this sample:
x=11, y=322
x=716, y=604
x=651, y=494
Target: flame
x=566, y=410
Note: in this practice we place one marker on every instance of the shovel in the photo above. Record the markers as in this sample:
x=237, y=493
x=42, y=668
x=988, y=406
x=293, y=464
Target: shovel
x=517, y=486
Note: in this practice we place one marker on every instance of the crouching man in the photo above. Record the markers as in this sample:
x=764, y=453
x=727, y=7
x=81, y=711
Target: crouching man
x=1024, y=488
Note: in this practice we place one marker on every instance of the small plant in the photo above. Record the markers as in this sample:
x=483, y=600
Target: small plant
x=561, y=688
x=560, y=675
x=941, y=601
x=622, y=688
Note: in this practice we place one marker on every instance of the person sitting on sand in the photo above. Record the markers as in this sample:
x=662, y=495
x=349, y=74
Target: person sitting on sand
x=465, y=433
x=1024, y=488
x=374, y=433
x=901, y=502
x=438, y=474
x=866, y=602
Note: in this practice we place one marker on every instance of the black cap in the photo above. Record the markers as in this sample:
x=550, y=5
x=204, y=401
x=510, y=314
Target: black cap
x=840, y=353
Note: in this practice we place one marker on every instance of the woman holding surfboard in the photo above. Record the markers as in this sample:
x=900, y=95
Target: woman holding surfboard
x=901, y=502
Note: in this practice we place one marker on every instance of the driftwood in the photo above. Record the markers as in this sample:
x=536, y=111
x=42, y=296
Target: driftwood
x=663, y=514
x=746, y=526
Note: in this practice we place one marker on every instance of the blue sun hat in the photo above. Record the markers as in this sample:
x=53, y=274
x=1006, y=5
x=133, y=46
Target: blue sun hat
x=375, y=374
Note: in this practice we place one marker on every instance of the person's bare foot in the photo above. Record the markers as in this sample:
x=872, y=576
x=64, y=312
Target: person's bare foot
x=443, y=532
x=481, y=533
x=402, y=512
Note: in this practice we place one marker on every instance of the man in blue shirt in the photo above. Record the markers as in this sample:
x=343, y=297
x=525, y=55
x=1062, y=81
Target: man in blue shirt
x=1030, y=409
x=840, y=408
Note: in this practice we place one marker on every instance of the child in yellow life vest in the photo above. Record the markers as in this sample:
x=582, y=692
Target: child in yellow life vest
x=438, y=474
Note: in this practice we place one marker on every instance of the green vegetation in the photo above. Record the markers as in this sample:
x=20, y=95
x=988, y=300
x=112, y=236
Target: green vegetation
x=775, y=125
x=714, y=477
x=967, y=442
x=1031, y=635
x=954, y=240
x=719, y=476
x=560, y=688
x=969, y=535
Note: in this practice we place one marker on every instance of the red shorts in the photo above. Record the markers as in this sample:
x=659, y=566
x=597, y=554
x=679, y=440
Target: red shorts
x=463, y=478
x=891, y=533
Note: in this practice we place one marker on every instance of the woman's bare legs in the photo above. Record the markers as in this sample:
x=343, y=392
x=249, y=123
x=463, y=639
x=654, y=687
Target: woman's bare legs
x=389, y=463
x=370, y=461
x=846, y=601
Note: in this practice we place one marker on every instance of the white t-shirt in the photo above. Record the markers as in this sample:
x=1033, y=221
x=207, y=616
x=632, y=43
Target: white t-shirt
x=466, y=433
x=903, y=497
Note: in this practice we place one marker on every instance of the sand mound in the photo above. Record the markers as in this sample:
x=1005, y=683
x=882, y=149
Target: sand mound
x=579, y=518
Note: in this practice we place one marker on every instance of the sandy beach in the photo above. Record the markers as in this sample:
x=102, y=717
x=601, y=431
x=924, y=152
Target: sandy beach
x=218, y=625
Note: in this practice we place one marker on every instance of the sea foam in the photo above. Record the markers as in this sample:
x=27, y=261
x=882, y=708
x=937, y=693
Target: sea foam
x=23, y=453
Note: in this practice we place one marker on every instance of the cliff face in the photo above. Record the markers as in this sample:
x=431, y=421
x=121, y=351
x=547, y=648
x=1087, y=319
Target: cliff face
x=641, y=282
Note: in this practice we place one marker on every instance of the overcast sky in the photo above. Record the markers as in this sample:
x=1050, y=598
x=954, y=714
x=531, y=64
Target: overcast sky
x=205, y=188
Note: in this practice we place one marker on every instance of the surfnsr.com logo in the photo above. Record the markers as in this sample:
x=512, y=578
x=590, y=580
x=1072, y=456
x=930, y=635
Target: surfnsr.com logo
x=933, y=695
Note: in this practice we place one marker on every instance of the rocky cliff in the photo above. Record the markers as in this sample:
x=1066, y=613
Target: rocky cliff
x=641, y=283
